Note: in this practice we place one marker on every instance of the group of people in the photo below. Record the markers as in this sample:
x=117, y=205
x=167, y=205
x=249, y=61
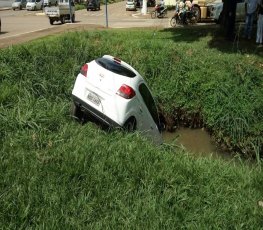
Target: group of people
x=182, y=6
x=254, y=8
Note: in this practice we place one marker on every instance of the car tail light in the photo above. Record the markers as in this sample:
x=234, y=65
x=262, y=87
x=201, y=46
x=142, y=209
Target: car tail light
x=84, y=70
x=126, y=92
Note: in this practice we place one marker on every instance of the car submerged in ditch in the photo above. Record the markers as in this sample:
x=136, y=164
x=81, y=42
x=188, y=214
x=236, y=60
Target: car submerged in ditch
x=114, y=93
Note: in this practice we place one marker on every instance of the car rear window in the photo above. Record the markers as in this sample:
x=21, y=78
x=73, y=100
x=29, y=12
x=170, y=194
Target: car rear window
x=115, y=67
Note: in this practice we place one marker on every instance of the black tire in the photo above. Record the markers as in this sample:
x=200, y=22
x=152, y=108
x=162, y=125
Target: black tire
x=51, y=21
x=197, y=11
x=173, y=22
x=20, y=7
x=153, y=14
x=76, y=112
x=73, y=18
x=165, y=13
x=130, y=125
x=62, y=19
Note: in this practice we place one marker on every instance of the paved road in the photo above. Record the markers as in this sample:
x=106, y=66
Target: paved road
x=18, y=22
x=22, y=25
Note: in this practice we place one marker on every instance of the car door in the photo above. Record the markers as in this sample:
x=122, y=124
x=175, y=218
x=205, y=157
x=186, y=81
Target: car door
x=148, y=114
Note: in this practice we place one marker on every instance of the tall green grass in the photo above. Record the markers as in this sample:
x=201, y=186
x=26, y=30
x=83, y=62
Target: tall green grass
x=56, y=173
x=194, y=84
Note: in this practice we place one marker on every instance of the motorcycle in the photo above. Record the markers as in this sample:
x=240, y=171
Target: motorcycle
x=180, y=19
x=159, y=11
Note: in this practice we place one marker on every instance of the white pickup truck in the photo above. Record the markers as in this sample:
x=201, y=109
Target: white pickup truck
x=61, y=12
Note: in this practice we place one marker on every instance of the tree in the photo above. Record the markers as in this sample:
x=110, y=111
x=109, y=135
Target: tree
x=228, y=18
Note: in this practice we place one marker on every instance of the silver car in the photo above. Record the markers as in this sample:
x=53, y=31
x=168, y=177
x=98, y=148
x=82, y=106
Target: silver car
x=130, y=5
x=19, y=4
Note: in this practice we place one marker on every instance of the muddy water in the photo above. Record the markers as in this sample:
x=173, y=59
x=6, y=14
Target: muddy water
x=196, y=141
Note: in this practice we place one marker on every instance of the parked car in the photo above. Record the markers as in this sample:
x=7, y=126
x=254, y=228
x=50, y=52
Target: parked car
x=19, y=4
x=216, y=9
x=131, y=5
x=34, y=5
x=114, y=93
x=93, y=5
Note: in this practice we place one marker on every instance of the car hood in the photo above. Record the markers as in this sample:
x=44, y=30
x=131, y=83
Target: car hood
x=31, y=4
x=16, y=3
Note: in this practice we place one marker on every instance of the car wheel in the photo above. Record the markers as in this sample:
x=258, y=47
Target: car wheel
x=197, y=13
x=51, y=21
x=130, y=125
x=153, y=14
x=62, y=19
x=73, y=18
x=76, y=112
x=20, y=7
x=173, y=22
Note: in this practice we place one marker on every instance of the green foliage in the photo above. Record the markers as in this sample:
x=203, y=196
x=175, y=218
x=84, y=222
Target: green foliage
x=56, y=173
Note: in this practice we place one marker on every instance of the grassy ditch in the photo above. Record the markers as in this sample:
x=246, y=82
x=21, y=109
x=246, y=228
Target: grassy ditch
x=196, y=83
x=56, y=173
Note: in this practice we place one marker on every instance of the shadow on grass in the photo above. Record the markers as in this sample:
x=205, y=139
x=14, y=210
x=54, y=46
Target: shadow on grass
x=218, y=41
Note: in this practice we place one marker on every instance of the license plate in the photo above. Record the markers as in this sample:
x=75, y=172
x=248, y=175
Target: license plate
x=93, y=98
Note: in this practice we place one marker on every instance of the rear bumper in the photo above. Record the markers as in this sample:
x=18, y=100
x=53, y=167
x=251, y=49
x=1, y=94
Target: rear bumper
x=95, y=113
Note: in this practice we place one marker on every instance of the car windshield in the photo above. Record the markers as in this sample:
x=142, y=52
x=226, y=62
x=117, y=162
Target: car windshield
x=115, y=67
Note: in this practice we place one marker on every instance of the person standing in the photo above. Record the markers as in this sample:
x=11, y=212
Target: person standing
x=260, y=24
x=251, y=8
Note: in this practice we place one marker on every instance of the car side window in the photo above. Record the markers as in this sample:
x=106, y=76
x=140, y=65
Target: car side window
x=149, y=102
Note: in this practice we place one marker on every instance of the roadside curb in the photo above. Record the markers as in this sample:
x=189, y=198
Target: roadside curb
x=141, y=15
x=40, y=14
x=5, y=8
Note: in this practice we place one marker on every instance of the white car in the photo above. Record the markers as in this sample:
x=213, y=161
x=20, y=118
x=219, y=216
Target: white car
x=19, y=4
x=130, y=5
x=216, y=9
x=114, y=93
x=34, y=5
